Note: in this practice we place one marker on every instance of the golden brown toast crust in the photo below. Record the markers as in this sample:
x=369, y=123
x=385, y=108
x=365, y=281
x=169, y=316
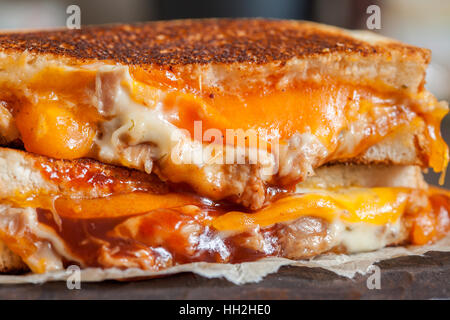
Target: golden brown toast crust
x=224, y=41
x=27, y=173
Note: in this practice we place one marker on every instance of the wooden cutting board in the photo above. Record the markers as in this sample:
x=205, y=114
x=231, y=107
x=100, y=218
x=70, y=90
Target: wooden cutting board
x=413, y=277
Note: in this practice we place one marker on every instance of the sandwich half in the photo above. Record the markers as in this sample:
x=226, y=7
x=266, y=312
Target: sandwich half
x=56, y=213
x=217, y=140
x=151, y=96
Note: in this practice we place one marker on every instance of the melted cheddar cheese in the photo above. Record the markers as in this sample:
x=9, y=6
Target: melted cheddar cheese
x=374, y=206
x=52, y=129
x=113, y=206
x=62, y=117
x=182, y=231
x=378, y=206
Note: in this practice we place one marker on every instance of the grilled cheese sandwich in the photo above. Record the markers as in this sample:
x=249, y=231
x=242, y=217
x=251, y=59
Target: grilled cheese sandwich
x=132, y=153
x=140, y=111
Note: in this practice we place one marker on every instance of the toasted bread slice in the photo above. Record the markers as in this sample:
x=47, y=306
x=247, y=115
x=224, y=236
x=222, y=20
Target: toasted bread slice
x=24, y=174
x=134, y=95
x=372, y=176
x=231, y=52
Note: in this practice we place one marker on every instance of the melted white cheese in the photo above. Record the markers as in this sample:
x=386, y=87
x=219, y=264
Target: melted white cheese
x=134, y=124
x=362, y=237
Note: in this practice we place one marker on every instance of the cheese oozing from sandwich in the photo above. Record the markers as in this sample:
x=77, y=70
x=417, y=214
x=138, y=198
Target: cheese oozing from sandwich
x=146, y=120
x=54, y=212
x=155, y=232
x=251, y=138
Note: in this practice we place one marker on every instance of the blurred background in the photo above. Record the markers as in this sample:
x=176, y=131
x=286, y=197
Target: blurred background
x=422, y=23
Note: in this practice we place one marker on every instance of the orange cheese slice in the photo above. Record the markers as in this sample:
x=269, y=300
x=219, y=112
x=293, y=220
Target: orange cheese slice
x=375, y=206
x=120, y=205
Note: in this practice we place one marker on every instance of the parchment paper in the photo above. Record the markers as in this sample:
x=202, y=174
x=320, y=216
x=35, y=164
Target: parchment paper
x=341, y=264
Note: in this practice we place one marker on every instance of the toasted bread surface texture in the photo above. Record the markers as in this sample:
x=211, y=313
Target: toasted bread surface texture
x=234, y=46
x=26, y=174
